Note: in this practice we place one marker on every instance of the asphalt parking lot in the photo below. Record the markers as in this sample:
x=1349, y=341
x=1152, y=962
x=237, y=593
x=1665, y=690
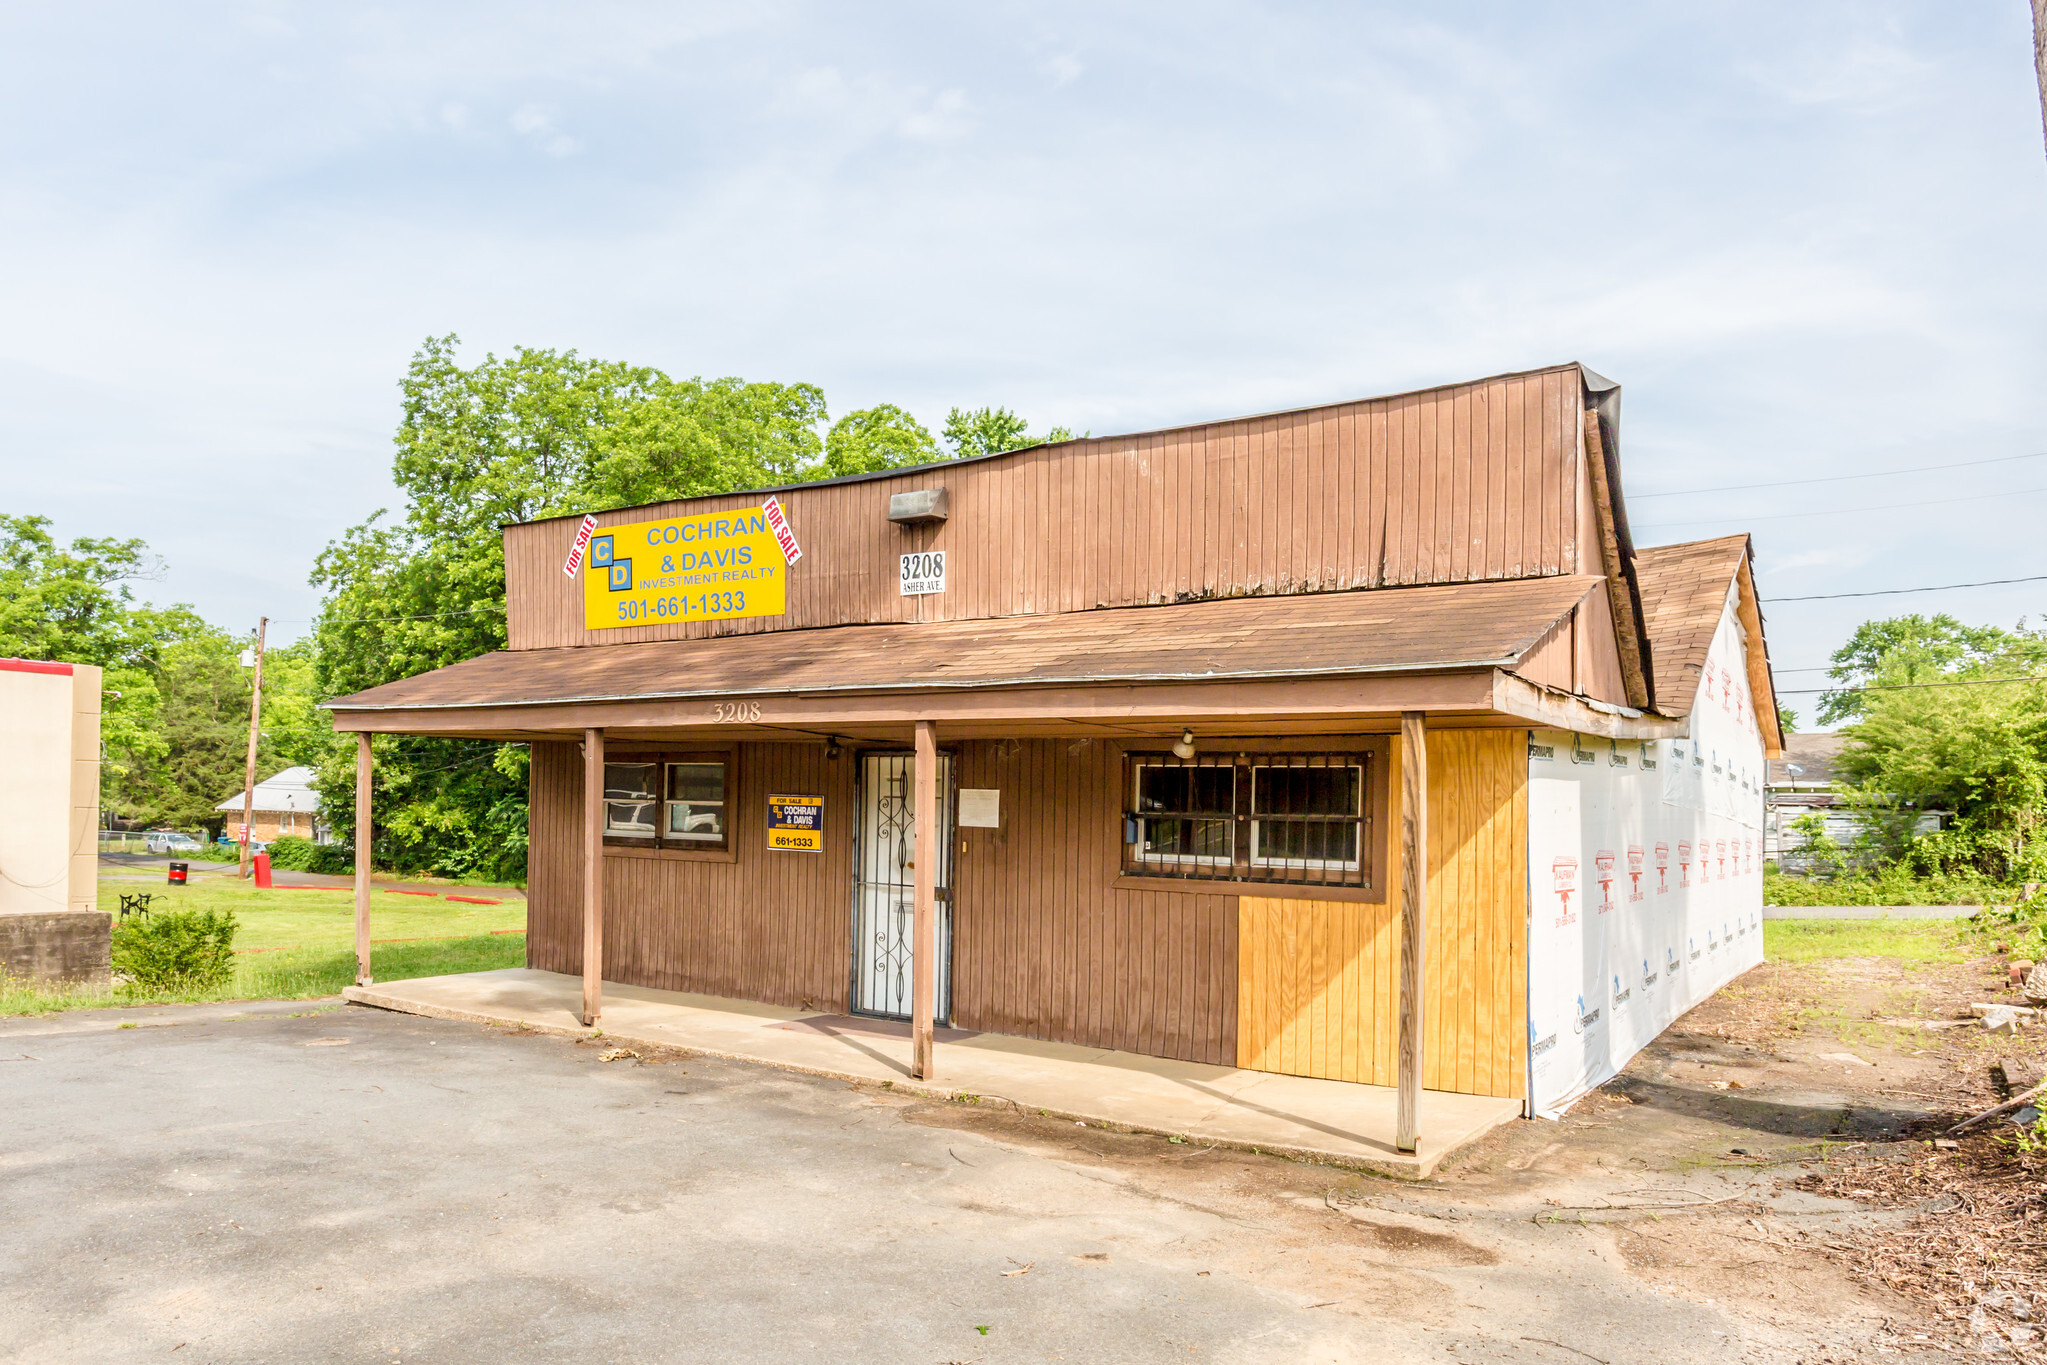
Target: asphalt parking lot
x=353, y=1185
x=316, y=1182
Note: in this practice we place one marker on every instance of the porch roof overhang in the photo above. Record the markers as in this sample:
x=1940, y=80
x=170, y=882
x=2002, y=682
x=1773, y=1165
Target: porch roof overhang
x=1346, y=660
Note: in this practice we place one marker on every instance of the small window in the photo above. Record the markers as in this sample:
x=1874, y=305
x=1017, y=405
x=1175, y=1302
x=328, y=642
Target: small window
x=1271, y=817
x=629, y=799
x=1186, y=814
x=667, y=801
x=696, y=803
x=1308, y=817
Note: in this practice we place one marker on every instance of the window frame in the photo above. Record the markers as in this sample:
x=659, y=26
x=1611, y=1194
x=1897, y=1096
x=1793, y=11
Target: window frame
x=1246, y=867
x=662, y=841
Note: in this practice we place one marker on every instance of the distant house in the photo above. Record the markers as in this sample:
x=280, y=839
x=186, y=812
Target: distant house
x=1803, y=782
x=284, y=804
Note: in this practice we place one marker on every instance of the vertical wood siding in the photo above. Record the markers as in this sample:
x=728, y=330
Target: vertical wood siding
x=1475, y=481
x=768, y=926
x=1045, y=945
x=1318, y=981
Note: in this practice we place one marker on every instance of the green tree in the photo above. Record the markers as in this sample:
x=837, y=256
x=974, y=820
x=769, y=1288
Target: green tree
x=1916, y=649
x=204, y=719
x=988, y=431
x=538, y=433
x=74, y=604
x=874, y=439
x=1945, y=719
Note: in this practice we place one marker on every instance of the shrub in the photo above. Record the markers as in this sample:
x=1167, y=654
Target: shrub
x=292, y=853
x=177, y=950
x=212, y=853
x=295, y=854
x=334, y=859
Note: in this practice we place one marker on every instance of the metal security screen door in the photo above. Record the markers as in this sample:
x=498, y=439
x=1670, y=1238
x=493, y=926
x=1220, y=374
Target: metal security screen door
x=884, y=890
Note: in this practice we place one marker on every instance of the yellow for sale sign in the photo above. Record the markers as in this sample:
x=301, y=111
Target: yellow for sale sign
x=796, y=822
x=707, y=567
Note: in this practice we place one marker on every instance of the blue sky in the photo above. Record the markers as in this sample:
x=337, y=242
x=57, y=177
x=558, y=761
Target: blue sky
x=1805, y=239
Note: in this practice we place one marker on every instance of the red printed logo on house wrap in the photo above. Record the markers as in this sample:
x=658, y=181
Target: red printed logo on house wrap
x=575, y=559
x=1565, y=870
x=779, y=524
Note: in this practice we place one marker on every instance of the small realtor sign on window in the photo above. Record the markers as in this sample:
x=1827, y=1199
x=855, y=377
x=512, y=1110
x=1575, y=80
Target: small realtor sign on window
x=583, y=534
x=796, y=822
x=923, y=573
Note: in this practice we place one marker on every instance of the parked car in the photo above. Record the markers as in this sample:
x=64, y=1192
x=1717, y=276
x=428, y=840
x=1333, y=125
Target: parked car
x=169, y=841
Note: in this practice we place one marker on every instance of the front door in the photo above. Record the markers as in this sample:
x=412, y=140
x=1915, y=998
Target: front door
x=884, y=886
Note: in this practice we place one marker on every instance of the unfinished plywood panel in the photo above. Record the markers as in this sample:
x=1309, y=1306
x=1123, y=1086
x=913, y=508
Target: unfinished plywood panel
x=1457, y=484
x=1318, y=980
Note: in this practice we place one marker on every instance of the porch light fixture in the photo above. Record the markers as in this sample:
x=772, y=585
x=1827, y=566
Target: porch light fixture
x=1185, y=748
x=831, y=746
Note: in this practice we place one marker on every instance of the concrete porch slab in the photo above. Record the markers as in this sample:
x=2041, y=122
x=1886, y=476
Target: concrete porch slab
x=1333, y=1121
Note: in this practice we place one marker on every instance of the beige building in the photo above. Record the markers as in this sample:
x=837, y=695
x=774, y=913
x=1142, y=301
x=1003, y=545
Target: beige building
x=50, y=922
x=284, y=804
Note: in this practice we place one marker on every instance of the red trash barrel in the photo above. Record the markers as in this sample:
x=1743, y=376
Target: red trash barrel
x=178, y=870
x=262, y=861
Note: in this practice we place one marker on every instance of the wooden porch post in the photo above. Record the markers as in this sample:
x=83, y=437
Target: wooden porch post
x=593, y=876
x=1414, y=921
x=924, y=951
x=362, y=858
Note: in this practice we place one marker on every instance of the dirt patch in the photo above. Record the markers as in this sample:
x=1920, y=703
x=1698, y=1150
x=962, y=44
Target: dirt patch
x=1769, y=1157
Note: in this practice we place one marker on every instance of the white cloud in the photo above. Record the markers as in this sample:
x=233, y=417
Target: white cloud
x=537, y=125
x=946, y=118
x=1235, y=211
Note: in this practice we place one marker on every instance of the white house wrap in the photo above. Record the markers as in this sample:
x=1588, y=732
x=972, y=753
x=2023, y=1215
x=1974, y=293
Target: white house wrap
x=1645, y=867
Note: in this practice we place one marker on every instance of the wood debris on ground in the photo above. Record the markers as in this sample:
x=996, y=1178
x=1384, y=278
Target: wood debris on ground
x=1975, y=1249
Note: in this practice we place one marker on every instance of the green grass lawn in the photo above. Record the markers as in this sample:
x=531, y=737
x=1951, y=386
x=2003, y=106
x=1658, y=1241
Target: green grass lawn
x=1906, y=940
x=297, y=944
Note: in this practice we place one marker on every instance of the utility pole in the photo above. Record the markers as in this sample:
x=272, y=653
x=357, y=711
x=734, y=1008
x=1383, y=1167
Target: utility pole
x=255, y=720
x=2040, y=56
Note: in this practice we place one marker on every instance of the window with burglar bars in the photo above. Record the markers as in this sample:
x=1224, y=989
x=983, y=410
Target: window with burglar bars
x=1296, y=818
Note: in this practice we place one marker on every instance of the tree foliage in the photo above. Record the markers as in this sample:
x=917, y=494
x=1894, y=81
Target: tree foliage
x=874, y=439
x=538, y=433
x=533, y=434
x=1917, y=649
x=174, y=725
x=988, y=431
x=1976, y=748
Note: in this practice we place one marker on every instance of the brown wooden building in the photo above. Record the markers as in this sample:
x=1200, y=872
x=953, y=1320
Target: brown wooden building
x=1190, y=708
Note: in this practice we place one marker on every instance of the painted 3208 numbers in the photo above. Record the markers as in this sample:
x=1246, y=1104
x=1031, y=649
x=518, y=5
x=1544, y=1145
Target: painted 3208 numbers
x=671, y=608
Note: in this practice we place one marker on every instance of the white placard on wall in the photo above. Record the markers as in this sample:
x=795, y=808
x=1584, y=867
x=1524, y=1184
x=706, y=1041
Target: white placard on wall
x=923, y=572
x=980, y=808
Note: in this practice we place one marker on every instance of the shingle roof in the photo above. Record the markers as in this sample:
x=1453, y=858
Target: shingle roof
x=1684, y=588
x=1385, y=630
x=1814, y=755
x=291, y=789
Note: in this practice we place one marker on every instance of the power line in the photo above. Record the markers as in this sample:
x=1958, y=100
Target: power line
x=1907, y=687
x=423, y=616
x=1836, y=511
x=1837, y=478
x=1892, y=592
